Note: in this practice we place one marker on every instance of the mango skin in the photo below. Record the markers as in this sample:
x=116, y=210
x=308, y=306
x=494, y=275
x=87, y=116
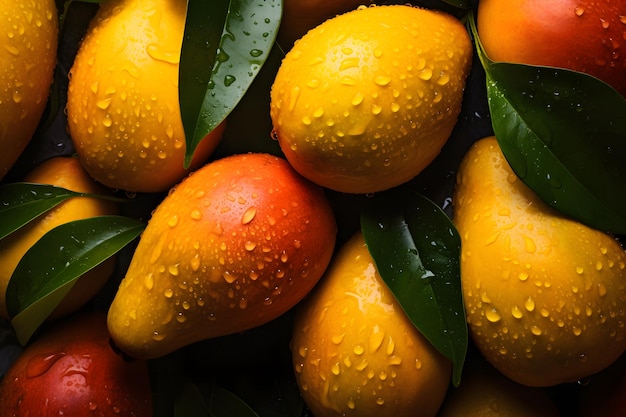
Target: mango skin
x=71, y=370
x=28, y=55
x=233, y=246
x=356, y=353
x=581, y=35
x=366, y=100
x=543, y=294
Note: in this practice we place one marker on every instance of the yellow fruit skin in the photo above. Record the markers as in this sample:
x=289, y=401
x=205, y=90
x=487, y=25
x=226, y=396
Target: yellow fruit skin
x=544, y=294
x=123, y=108
x=366, y=100
x=63, y=172
x=356, y=353
x=28, y=48
x=233, y=246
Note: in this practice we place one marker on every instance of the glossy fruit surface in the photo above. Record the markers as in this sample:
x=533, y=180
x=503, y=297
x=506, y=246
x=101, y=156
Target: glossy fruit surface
x=233, y=246
x=581, y=35
x=355, y=352
x=28, y=48
x=66, y=172
x=123, y=108
x=543, y=293
x=72, y=370
x=366, y=100
x=485, y=392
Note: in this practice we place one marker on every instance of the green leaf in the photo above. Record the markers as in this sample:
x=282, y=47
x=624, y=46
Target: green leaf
x=22, y=202
x=210, y=400
x=49, y=269
x=190, y=402
x=225, y=403
x=416, y=249
x=225, y=45
x=564, y=134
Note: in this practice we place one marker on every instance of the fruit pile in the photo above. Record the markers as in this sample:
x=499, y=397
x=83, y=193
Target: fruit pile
x=312, y=208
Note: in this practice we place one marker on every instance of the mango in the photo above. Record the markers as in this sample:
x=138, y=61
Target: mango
x=28, y=55
x=544, y=294
x=233, y=246
x=356, y=353
x=122, y=102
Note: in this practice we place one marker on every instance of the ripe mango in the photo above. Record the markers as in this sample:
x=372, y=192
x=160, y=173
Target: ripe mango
x=544, y=294
x=122, y=102
x=356, y=353
x=28, y=55
x=233, y=246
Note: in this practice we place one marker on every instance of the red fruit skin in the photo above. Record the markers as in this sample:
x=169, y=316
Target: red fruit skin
x=582, y=35
x=72, y=370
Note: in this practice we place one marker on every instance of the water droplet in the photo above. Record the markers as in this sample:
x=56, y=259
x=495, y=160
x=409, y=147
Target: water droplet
x=493, y=316
x=516, y=312
x=376, y=339
x=425, y=74
x=195, y=262
x=228, y=277
x=443, y=79
x=382, y=80
x=168, y=293
x=351, y=405
x=249, y=215
x=157, y=337
x=349, y=63
x=173, y=221
x=173, y=269
x=579, y=10
x=529, y=304
x=149, y=281
x=104, y=103
x=229, y=80
x=40, y=364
